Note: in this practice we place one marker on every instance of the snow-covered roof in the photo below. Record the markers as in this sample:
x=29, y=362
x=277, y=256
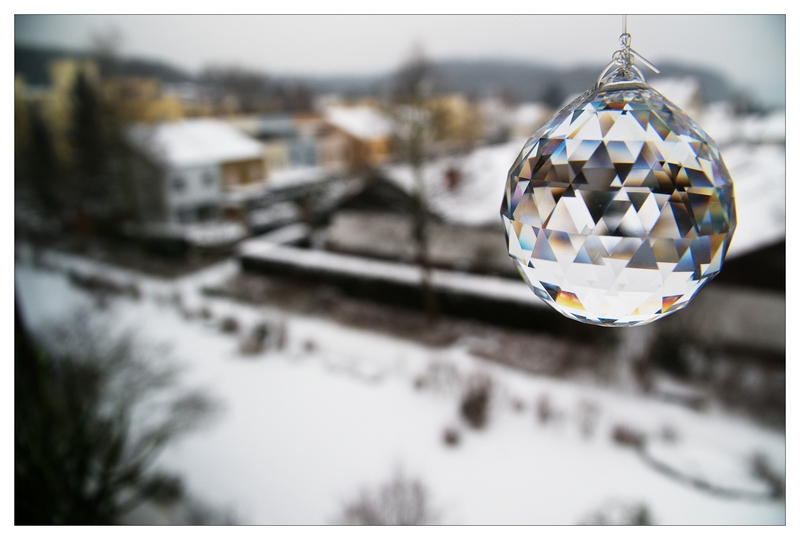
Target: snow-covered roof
x=209, y=234
x=292, y=177
x=681, y=91
x=197, y=141
x=299, y=175
x=530, y=113
x=759, y=183
x=360, y=122
x=758, y=172
x=336, y=263
x=276, y=214
x=495, y=112
x=477, y=199
x=721, y=123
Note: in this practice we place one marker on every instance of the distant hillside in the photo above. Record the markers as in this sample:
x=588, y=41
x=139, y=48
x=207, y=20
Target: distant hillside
x=32, y=63
x=346, y=85
x=526, y=81
x=521, y=81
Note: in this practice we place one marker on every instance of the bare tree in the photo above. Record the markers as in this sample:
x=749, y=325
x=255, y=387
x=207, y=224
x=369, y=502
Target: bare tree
x=37, y=169
x=400, y=501
x=251, y=90
x=409, y=109
x=105, y=47
x=102, y=183
x=91, y=416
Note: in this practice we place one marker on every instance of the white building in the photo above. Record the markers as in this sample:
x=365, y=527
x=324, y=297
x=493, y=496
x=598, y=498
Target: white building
x=198, y=159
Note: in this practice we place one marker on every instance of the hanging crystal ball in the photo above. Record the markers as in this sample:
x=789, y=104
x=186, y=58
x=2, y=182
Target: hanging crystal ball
x=620, y=208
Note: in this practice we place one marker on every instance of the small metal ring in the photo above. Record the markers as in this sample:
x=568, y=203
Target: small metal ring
x=614, y=64
x=624, y=58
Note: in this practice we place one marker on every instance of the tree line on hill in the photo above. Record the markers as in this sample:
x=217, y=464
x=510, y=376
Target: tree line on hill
x=517, y=81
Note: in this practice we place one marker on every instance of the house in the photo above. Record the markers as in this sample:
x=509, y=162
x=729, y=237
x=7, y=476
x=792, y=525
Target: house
x=55, y=102
x=376, y=219
x=330, y=145
x=194, y=102
x=367, y=135
x=496, y=115
x=526, y=118
x=457, y=122
x=683, y=92
x=294, y=141
x=276, y=132
x=140, y=99
x=198, y=159
x=373, y=217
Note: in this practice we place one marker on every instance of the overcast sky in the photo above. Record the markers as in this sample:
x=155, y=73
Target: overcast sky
x=749, y=49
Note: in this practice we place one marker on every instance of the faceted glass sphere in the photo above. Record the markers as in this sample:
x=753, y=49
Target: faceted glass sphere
x=620, y=208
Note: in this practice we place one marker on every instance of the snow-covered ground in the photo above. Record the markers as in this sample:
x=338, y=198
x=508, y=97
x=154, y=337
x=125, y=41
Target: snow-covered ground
x=306, y=427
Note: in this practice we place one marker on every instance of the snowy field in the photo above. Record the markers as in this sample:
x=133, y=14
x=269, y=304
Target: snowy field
x=305, y=428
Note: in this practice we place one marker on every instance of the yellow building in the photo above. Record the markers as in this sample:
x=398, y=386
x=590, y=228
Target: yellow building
x=135, y=99
x=57, y=101
x=455, y=119
x=367, y=135
x=140, y=100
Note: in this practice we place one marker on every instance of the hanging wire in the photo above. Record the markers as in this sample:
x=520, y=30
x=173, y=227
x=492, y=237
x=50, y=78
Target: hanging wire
x=624, y=57
x=625, y=41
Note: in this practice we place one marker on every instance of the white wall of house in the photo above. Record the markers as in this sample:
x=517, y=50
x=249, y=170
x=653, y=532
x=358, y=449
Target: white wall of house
x=194, y=193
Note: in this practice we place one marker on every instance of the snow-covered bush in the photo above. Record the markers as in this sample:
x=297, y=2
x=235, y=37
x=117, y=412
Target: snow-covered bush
x=627, y=436
x=619, y=513
x=262, y=336
x=400, y=501
x=451, y=436
x=546, y=412
x=475, y=400
x=762, y=470
x=588, y=416
x=439, y=375
x=229, y=325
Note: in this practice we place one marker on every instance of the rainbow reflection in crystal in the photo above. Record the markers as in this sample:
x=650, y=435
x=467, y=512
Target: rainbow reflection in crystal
x=620, y=208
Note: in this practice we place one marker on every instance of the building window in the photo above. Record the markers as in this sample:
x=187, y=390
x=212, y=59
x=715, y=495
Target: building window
x=178, y=184
x=185, y=215
x=207, y=212
x=208, y=179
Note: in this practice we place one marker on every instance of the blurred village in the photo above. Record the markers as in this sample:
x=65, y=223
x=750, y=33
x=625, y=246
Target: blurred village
x=264, y=210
